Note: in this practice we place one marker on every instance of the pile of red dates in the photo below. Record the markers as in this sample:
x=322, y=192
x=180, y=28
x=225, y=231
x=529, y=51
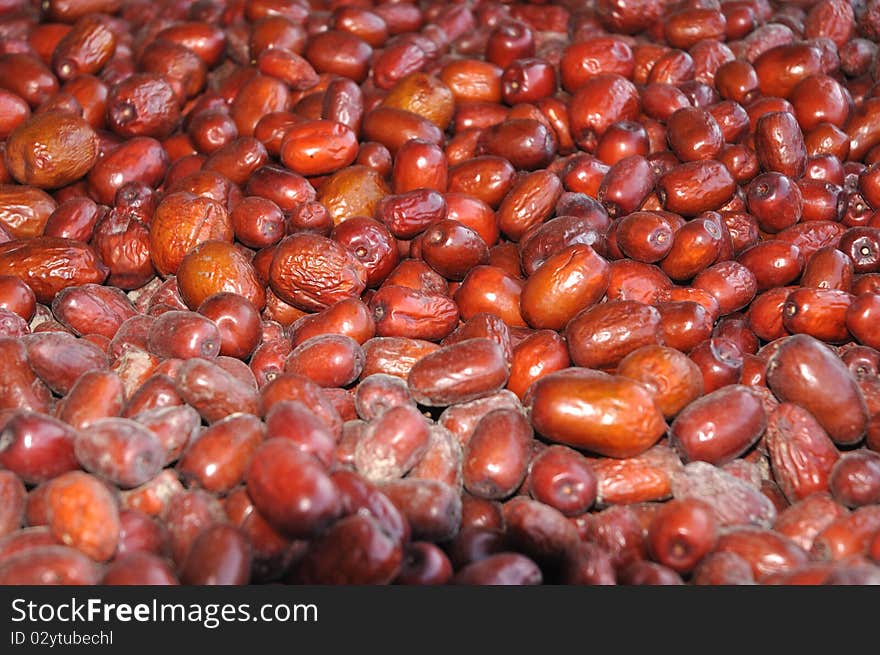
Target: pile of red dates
x=426, y=292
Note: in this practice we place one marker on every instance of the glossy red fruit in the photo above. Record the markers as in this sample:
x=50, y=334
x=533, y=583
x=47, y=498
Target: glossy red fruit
x=291, y=489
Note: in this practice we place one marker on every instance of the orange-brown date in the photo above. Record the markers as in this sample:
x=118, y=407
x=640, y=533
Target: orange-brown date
x=51, y=264
x=51, y=150
x=566, y=283
x=313, y=272
x=610, y=415
x=602, y=335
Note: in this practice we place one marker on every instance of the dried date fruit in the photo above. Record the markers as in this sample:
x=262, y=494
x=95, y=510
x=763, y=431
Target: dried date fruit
x=802, y=370
x=719, y=426
x=313, y=272
x=735, y=501
x=50, y=264
x=801, y=452
x=82, y=513
x=291, y=489
x=458, y=373
x=610, y=415
x=51, y=150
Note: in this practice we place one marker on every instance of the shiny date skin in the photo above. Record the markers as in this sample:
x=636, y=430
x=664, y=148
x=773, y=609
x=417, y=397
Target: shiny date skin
x=802, y=369
x=603, y=335
x=423, y=294
x=585, y=409
x=459, y=373
x=720, y=426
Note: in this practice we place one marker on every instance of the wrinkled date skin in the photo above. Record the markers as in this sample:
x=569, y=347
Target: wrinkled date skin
x=92, y=309
x=735, y=501
x=213, y=392
x=672, y=377
x=394, y=355
x=84, y=49
x=533, y=292
x=25, y=211
x=408, y=214
x=819, y=312
x=803, y=520
x=643, y=478
x=528, y=203
x=779, y=144
x=404, y=312
x=143, y=104
x=312, y=272
x=51, y=150
x=182, y=221
x=556, y=234
x=801, y=452
x=50, y=264
x=694, y=187
x=602, y=335
x=215, y=267
x=461, y=419
x=353, y=191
